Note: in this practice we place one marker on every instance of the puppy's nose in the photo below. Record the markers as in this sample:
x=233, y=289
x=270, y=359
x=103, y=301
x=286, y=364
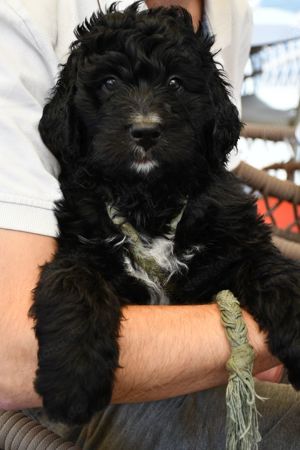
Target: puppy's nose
x=145, y=134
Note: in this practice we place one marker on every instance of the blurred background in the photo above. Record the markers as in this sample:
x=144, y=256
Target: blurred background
x=270, y=143
x=271, y=91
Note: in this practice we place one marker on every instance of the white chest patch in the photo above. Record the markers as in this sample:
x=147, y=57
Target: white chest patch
x=152, y=260
x=160, y=250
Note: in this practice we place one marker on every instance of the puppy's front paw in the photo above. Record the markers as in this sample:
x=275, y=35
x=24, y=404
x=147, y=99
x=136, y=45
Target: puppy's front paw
x=294, y=379
x=294, y=374
x=76, y=391
x=70, y=406
x=289, y=354
x=77, y=318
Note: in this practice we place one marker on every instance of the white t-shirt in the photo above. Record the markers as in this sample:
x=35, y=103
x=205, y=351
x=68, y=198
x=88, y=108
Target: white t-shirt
x=35, y=37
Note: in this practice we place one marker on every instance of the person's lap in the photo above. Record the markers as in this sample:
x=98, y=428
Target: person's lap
x=195, y=421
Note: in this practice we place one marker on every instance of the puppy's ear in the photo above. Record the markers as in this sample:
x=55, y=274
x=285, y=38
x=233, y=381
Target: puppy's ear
x=224, y=128
x=227, y=125
x=58, y=125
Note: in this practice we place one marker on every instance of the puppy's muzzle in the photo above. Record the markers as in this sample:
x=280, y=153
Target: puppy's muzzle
x=145, y=134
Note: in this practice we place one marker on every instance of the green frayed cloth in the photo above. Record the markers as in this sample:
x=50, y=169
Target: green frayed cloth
x=242, y=431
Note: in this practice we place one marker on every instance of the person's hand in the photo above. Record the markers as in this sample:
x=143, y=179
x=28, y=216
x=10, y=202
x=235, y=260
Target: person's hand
x=273, y=375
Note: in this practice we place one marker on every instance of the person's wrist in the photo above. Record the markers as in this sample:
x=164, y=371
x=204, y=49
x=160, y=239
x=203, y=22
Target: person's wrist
x=264, y=360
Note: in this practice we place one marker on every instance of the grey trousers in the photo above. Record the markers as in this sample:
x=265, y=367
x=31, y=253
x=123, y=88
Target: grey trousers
x=192, y=422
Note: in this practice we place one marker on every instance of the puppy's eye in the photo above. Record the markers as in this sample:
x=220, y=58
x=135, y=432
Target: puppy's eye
x=110, y=83
x=174, y=84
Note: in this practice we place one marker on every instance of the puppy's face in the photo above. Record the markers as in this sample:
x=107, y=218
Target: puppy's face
x=140, y=97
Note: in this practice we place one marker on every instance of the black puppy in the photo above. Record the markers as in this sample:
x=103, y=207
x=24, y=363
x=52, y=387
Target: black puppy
x=141, y=123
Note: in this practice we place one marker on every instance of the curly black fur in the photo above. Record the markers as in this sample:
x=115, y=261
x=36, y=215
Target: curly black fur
x=141, y=119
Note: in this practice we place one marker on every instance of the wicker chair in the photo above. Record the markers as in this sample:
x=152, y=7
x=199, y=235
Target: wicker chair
x=277, y=66
x=20, y=432
x=266, y=186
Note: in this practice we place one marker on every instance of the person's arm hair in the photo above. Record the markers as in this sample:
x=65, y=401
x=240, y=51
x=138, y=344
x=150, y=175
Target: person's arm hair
x=175, y=350
x=164, y=350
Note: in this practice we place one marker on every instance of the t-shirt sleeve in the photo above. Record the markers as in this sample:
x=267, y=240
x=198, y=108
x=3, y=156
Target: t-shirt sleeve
x=28, y=171
x=237, y=56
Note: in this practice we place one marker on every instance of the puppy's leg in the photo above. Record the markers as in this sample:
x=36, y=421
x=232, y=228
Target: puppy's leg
x=269, y=286
x=77, y=317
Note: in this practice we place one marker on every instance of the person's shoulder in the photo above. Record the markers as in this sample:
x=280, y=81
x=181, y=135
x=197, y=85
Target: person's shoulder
x=47, y=23
x=231, y=24
x=27, y=24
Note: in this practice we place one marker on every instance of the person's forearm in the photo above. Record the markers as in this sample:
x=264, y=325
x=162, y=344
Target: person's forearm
x=174, y=350
x=165, y=351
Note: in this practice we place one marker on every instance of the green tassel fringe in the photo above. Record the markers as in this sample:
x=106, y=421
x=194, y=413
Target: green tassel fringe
x=242, y=431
